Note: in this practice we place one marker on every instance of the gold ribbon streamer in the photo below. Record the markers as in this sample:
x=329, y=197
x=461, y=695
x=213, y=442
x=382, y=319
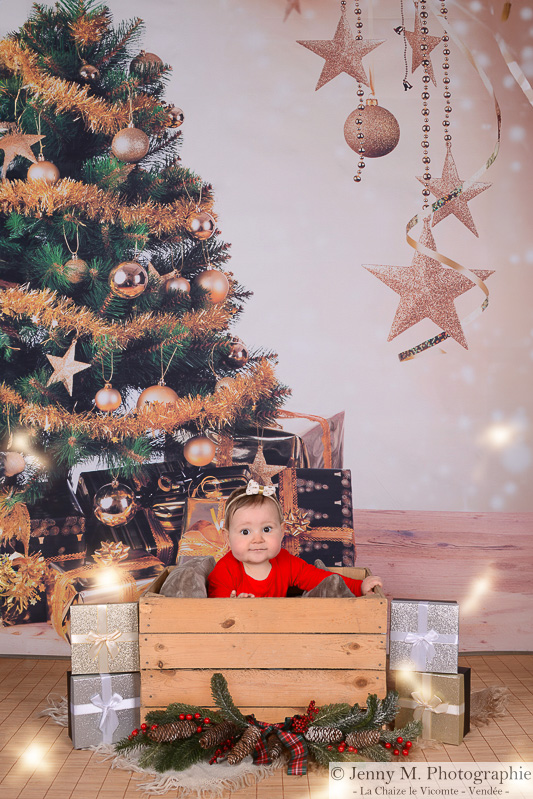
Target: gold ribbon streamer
x=413, y=352
x=326, y=432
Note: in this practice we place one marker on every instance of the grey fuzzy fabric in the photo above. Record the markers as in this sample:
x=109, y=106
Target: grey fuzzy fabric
x=331, y=586
x=190, y=578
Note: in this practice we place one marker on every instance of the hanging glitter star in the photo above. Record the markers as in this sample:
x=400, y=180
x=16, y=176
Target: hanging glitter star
x=65, y=368
x=261, y=471
x=343, y=53
x=427, y=291
x=449, y=181
x=416, y=38
x=17, y=144
x=292, y=5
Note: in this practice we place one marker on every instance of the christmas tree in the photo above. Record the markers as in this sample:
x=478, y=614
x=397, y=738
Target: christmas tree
x=115, y=302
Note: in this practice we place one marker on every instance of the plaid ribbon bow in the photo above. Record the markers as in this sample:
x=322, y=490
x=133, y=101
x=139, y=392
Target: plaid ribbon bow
x=294, y=741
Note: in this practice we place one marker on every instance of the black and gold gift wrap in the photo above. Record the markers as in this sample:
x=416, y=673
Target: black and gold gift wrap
x=437, y=700
x=280, y=448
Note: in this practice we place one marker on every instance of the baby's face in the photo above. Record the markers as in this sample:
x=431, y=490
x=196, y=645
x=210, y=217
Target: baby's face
x=255, y=533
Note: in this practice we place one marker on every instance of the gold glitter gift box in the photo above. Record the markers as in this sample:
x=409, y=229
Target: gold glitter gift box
x=424, y=635
x=438, y=700
x=104, y=638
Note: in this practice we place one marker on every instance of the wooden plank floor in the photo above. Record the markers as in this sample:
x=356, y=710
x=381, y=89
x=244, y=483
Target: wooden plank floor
x=37, y=760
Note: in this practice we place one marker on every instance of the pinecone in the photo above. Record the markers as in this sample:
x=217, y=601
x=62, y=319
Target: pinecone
x=363, y=738
x=274, y=747
x=173, y=731
x=218, y=734
x=324, y=735
x=245, y=745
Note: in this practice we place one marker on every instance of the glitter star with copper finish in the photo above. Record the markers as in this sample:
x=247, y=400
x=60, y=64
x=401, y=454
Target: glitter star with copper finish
x=66, y=367
x=18, y=144
x=261, y=471
x=416, y=38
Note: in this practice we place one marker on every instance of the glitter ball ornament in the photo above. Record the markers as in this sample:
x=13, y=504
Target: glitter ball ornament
x=144, y=62
x=115, y=504
x=224, y=383
x=108, y=398
x=159, y=393
x=128, y=279
x=13, y=463
x=75, y=270
x=238, y=354
x=175, y=117
x=44, y=170
x=89, y=73
x=199, y=451
x=380, y=129
x=130, y=144
x=201, y=225
x=215, y=283
x=176, y=284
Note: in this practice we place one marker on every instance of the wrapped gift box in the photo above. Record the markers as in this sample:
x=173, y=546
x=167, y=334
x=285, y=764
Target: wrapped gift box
x=317, y=505
x=438, y=700
x=104, y=638
x=280, y=448
x=103, y=708
x=424, y=635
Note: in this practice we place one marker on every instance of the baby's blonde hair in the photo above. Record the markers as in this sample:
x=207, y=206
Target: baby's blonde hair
x=240, y=499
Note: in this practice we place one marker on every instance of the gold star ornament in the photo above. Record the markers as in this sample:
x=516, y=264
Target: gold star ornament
x=261, y=471
x=427, y=291
x=66, y=367
x=17, y=144
x=343, y=53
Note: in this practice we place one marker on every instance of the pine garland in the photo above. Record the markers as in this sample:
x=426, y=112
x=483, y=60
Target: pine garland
x=223, y=699
x=218, y=734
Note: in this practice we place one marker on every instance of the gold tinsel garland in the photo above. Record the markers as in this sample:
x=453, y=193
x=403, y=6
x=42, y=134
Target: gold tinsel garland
x=35, y=199
x=62, y=313
x=89, y=30
x=221, y=408
x=67, y=96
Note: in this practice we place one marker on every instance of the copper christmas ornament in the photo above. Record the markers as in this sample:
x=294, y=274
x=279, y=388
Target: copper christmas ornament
x=130, y=144
x=128, y=279
x=175, y=117
x=224, y=383
x=89, y=73
x=379, y=128
x=75, y=269
x=176, y=284
x=201, y=225
x=108, y=398
x=145, y=61
x=238, y=354
x=14, y=463
x=199, y=451
x=115, y=504
x=215, y=282
x=160, y=393
x=44, y=170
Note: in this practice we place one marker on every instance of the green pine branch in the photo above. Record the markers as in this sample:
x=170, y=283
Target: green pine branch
x=223, y=700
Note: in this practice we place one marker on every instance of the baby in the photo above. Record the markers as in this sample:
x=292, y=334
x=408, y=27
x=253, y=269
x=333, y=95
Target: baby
x=257, y=566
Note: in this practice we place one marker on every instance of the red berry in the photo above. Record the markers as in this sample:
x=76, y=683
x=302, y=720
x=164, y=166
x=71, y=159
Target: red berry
x=188, y=716
x=351, y=749
x=341, y=747
x=388, y=745
x=207, y=721
x=130, y=737
x=154, y=727
x=182, y=716
x=408, y=744
x=399, y=740
x=405, y=752
x=199, y=729
x=396, y=752
x=330, y=747
x=144, y=727
x=197, y=715
x=135, y=731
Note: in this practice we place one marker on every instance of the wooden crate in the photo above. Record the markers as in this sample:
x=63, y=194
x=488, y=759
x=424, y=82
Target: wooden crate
x=276, y=653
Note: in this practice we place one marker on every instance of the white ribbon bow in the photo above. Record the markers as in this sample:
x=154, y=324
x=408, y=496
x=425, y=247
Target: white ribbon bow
x=254, y=488
x=104, y=639
x=108, y=706
x=423, y=650
x=434, y=705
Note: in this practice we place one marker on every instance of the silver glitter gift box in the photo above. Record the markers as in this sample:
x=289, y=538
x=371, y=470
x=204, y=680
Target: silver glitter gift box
x=104, y=638
x=103, y=708
x=424, y=635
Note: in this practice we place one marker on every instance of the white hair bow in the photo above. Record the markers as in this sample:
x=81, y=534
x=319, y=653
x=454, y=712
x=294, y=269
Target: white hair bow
x=254, y=488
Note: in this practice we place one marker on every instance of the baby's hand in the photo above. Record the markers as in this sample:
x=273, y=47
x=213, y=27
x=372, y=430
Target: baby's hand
x=233, y=595
x=369, y=583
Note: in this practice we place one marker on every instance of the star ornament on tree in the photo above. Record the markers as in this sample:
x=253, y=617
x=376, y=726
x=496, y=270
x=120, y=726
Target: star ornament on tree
x=65, y=368
x=449, y=181
x=343, y=53
x=261, y=471
x=17, y=144
x=427, y=291
x=416, y=38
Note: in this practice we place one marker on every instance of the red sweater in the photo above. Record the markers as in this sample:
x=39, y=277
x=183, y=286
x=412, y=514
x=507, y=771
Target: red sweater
x=287, y=570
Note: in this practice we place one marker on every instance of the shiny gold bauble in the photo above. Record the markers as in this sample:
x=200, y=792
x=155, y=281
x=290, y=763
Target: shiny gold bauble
x=175, y=117
x=108, y=398
x=380, y=129
x=89, y=73
x=145, y=61
x=75, y=269
x=176, y=284
x=13, y=463
x=201, y=225
x=115, y=504
x=44, y=170
x=238, y=354
x=130, y=145
x=199, y=451
x=215, y=283
x=128, y=279
x=224, y=383
x=160, y=393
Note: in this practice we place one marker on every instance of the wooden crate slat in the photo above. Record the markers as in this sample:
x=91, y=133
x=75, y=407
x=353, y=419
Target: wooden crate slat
x=262, y=650
x=166, y=615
